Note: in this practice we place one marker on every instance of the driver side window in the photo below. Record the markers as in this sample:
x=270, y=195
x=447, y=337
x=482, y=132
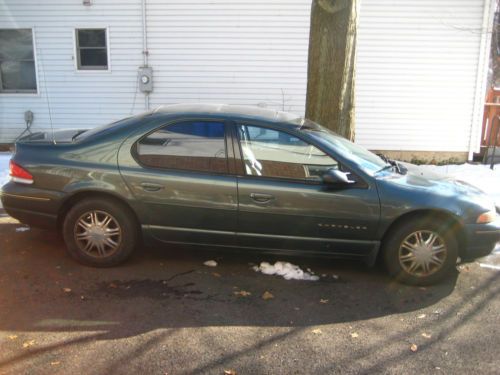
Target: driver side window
x=273, y=153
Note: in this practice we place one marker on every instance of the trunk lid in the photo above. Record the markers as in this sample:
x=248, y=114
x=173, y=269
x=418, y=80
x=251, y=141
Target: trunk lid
x=59, y=136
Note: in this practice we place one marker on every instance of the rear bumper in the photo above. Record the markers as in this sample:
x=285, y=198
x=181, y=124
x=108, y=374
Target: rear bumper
x=481, y=239
x=32, y=206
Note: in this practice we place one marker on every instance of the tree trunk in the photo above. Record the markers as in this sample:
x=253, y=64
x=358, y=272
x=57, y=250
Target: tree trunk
x=330, y=75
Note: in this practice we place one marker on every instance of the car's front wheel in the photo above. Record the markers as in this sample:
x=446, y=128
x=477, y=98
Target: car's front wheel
x=99, y=232
x=420, y=252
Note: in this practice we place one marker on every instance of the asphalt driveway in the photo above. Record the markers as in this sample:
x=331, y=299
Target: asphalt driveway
x=164, y=312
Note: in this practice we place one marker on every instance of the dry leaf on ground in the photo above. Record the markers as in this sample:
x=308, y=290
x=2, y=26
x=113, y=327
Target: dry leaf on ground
x=29, y=343
x=67, y=290
x=323, y=301
x=13, y=337
x=242, y=293
x=421, y=316
x=317, y=331
x=267, y=295
x=426, y=335
x=413, y=348
x=230, y=372
x=354, y=335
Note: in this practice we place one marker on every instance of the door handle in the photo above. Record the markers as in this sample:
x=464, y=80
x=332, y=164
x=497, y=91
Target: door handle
x=151, y=187
x=261, y=198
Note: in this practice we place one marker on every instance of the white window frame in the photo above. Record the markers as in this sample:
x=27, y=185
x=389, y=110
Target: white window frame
x=35, y=61
x=75, y=49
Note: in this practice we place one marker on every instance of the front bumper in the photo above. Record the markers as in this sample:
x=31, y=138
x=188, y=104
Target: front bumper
x=481, y=239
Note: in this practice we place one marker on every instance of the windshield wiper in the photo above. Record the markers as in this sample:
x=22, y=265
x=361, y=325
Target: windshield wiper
x=77, y=134
x=391, y=164
x=388, y=166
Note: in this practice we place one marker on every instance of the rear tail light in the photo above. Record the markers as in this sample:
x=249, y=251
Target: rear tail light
x=19, y=174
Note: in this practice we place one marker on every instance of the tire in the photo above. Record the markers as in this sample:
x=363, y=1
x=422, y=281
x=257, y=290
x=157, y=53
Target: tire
x=410, y=259
x=100, y=232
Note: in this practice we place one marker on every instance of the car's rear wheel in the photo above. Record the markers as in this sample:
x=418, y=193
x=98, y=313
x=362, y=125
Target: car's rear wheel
x=420, y=252
x=100, y=232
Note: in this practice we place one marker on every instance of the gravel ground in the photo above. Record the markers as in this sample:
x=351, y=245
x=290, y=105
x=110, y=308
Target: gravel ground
x=164, y=312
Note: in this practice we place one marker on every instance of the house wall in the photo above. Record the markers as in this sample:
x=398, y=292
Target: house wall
x=226, y=51
x=76, y=99
x=417, y=68
x=417, y=63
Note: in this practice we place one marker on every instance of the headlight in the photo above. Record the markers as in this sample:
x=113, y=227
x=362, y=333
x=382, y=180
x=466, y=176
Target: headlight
x=487, y=217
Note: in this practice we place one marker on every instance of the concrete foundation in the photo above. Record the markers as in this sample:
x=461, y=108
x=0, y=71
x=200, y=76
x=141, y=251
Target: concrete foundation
x=426, y=157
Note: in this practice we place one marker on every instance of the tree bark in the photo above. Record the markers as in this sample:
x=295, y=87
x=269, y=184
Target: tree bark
x=330, y=75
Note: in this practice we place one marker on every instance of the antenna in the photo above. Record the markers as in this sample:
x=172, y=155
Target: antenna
x=46, y=94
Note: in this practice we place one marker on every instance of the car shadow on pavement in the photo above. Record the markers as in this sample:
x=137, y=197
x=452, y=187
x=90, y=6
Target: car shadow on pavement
x=44, y=290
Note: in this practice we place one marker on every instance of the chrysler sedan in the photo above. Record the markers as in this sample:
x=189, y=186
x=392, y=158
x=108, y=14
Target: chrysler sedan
x=247, y=178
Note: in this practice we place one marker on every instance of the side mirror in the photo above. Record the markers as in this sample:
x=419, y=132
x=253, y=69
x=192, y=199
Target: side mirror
x=335, y=177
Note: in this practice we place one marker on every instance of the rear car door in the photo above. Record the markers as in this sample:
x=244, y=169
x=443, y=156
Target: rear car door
x=179, y=173
x=283, y=203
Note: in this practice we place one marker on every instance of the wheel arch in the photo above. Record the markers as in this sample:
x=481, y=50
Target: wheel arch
x=86, y=194
x=450, y=222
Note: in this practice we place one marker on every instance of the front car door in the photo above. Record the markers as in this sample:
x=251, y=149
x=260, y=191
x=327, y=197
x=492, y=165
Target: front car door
x=283, y=203
x=179, y=171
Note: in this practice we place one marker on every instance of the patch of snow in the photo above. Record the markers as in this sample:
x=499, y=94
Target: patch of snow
x=4, y=167
x=210, y=263
x=491, y=266
x=493, y=260
x=22, y=229
x=478, y=175
x=287, y=270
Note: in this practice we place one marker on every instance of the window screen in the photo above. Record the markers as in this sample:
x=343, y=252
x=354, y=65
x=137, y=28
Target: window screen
x=91, y=49
x=194, y=146
x=272, y=153
x=17, y=61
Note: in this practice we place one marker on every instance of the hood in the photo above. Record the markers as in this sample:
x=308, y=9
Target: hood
x=426, y=188
x=423, y=177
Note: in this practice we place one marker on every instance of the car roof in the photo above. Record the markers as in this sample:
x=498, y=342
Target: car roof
x=259, y=113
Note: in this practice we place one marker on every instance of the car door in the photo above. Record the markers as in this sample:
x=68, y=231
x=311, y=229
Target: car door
x=179, y=174
x=283, y=203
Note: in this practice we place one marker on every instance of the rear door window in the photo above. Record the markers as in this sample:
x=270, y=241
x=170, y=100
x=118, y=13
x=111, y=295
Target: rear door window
x=189, y=145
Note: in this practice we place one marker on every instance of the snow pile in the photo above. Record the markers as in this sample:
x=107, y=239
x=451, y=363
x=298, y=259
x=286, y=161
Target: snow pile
x=478, y=175
x=4, y=167
x=287, y=270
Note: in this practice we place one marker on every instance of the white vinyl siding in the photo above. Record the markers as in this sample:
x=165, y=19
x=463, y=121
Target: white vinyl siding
x=77, y=99
x=225, y=51
x=417, y=63
x=417, y=67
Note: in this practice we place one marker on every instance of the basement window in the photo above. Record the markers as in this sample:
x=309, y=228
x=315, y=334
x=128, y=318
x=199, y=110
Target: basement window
x=91, y=49
x=17, y=61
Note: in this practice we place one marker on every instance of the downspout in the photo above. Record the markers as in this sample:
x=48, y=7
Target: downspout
x=481, y=76
x=145, y=51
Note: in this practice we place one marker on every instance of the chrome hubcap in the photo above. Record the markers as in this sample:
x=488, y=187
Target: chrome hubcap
x=98, y=234
x=422, y=253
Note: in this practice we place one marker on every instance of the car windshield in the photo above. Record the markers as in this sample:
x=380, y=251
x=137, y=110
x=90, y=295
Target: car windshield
x=366, y=160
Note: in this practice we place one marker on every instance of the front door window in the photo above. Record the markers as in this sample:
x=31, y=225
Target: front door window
x=272, y=153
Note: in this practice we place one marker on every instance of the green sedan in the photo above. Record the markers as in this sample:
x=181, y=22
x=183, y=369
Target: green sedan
x=247, y=178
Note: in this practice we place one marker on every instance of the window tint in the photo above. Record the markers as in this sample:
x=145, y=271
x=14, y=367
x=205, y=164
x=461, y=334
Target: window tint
x=194, y=146
x=272, y=153
x=17, y=61
x=91, y=49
